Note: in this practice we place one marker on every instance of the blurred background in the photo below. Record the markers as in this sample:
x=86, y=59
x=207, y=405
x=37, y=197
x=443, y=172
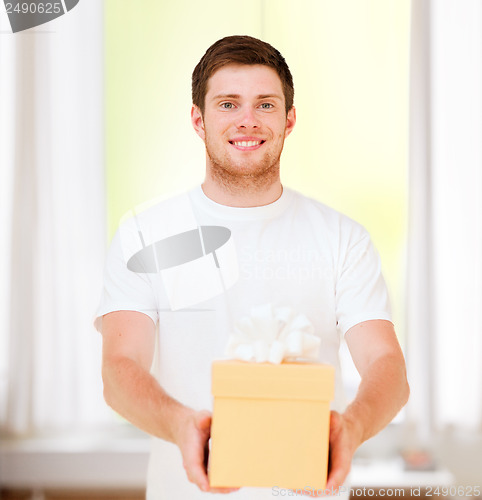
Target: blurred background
x=95, y=119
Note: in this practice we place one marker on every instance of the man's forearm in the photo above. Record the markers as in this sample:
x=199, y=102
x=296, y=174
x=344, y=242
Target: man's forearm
x=137, y=396
x=383, y=391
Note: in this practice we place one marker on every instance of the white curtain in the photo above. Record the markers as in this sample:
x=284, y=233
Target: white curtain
x=444, y=288
x=53, y=229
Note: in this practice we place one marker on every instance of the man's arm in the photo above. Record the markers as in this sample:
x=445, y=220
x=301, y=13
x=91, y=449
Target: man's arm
x=383, y=391
x=130, y=389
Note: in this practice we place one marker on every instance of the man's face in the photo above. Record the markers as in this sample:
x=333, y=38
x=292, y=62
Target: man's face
x=244, y=123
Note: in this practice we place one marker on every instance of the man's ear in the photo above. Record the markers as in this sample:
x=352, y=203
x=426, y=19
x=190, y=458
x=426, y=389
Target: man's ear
x=198, y=122
x=290, y=121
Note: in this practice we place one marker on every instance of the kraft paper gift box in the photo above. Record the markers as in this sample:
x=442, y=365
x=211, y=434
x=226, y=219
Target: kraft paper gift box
x=270, y=425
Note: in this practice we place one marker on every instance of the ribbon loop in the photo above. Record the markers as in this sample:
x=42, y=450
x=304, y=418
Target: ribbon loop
x=273, y=334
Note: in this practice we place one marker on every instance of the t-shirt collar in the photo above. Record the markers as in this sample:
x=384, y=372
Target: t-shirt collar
x=199, y=199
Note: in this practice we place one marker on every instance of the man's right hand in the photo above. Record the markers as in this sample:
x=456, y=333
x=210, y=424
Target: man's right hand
x=131, y=390
x=192, y=438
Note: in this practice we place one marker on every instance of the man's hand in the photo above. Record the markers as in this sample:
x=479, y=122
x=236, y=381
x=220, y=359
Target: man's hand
x=344, y=440
x=192, y=439
x=345, y=437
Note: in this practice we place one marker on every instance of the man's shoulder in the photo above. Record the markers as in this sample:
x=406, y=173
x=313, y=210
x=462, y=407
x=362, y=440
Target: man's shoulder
x=157, y=219
x=329, y=215
x=162, y=208
x=148, y=210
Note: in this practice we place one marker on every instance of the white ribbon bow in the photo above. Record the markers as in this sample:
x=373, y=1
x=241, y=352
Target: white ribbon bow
x=273, y=335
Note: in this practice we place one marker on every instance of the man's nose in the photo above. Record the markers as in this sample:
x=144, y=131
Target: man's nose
x=247, y=118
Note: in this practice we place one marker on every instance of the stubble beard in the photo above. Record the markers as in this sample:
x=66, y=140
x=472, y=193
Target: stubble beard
x=246, y=176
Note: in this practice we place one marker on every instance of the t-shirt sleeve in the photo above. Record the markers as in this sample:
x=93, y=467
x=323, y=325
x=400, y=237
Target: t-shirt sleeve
x=361, y=292
x=125, y=290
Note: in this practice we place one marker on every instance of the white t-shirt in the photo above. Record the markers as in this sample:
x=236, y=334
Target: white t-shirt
x=295, y=252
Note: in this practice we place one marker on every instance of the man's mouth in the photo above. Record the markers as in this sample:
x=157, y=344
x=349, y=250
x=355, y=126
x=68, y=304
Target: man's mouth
x=247, y=144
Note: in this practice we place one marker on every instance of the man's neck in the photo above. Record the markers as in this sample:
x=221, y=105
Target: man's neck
x=242, y=196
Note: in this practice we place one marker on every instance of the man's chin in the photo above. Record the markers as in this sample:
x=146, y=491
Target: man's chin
x=245, y=169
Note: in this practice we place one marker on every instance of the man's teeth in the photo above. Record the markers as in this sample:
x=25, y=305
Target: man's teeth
x=246, y=144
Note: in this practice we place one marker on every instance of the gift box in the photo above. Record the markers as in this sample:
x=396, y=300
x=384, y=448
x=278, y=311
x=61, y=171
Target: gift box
x=270, y=425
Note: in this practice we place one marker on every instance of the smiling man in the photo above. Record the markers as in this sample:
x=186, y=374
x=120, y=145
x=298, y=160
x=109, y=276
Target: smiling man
x=281, y=249
x=244, y=123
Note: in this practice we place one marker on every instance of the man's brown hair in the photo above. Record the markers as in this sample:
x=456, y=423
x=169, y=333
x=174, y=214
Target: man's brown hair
x=239, y=49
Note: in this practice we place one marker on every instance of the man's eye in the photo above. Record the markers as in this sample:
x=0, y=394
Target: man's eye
x=266, y=105
x=227, y=105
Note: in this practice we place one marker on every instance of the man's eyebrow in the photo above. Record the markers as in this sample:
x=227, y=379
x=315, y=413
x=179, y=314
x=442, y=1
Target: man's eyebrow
x=226, y=96
x=270, y=96
x=237, y=96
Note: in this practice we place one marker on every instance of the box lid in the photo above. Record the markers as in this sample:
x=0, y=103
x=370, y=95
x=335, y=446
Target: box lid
x=307, y=381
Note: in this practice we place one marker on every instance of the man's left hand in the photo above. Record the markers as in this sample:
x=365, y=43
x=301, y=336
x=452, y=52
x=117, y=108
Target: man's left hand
x=345, y=437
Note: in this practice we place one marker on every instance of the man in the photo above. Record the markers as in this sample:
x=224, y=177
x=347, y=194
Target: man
x=288, y=251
